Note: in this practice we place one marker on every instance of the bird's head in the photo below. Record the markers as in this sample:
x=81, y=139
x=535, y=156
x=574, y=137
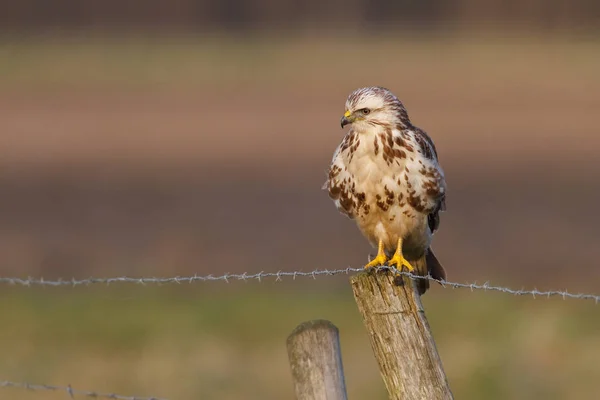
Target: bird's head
x=374, y=106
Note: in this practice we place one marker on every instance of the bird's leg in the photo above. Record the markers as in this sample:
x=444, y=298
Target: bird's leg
x=398, y=259
x=380, y=259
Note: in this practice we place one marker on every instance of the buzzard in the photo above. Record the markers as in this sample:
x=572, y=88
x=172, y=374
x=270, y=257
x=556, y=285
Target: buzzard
x=385, y=175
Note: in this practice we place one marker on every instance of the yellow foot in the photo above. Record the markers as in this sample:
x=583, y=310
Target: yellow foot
x=379, y=260
x=399, y=261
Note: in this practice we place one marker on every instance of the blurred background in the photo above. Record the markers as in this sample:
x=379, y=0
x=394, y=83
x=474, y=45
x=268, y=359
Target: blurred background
x=154, y=138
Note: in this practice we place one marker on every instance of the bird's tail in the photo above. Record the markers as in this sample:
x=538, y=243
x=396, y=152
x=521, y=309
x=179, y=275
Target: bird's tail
x=432, y=267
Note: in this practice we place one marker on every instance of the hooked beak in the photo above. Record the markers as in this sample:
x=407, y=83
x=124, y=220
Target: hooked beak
x=346, y=119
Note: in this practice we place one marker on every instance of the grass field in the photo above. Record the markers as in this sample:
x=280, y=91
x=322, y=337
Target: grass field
x=174, y=156
x=274, y=61
x=227, y=341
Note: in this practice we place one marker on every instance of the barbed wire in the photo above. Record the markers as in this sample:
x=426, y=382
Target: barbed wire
x=279, y=275
x=72, y=392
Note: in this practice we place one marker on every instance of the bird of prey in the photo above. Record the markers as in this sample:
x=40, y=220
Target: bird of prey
x=385, y=175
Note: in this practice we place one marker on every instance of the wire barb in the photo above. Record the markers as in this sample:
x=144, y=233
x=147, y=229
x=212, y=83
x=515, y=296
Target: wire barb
x=72, y=392
x=280, y=275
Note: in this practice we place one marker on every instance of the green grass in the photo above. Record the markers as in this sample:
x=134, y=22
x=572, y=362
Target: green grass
x=138, y=62
x=228, y=341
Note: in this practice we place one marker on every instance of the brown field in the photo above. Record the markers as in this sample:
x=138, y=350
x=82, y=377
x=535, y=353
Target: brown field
x=146, y=157
x=187, y=156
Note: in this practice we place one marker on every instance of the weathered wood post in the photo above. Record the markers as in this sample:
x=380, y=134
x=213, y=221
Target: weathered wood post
x=316, y=361
x=400, y=337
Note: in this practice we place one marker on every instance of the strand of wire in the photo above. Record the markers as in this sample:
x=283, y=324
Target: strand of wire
x=280, y=275
x=72, y=392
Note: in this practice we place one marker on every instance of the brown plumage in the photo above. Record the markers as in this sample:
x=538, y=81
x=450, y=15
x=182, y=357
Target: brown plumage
x=385, y=175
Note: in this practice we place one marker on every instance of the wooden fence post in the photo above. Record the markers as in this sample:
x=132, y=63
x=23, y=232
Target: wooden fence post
x=316, y=361
x=400, y=337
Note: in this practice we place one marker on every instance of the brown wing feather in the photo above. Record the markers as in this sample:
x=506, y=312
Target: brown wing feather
x=426, y=143
x=428, y=150
x=433, y=218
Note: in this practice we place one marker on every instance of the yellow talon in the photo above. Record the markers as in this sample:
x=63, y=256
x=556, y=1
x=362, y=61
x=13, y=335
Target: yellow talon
x=380, y=259
x=398, y=259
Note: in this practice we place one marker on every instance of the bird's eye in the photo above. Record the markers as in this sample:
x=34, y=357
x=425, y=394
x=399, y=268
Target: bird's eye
x=365, y=111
